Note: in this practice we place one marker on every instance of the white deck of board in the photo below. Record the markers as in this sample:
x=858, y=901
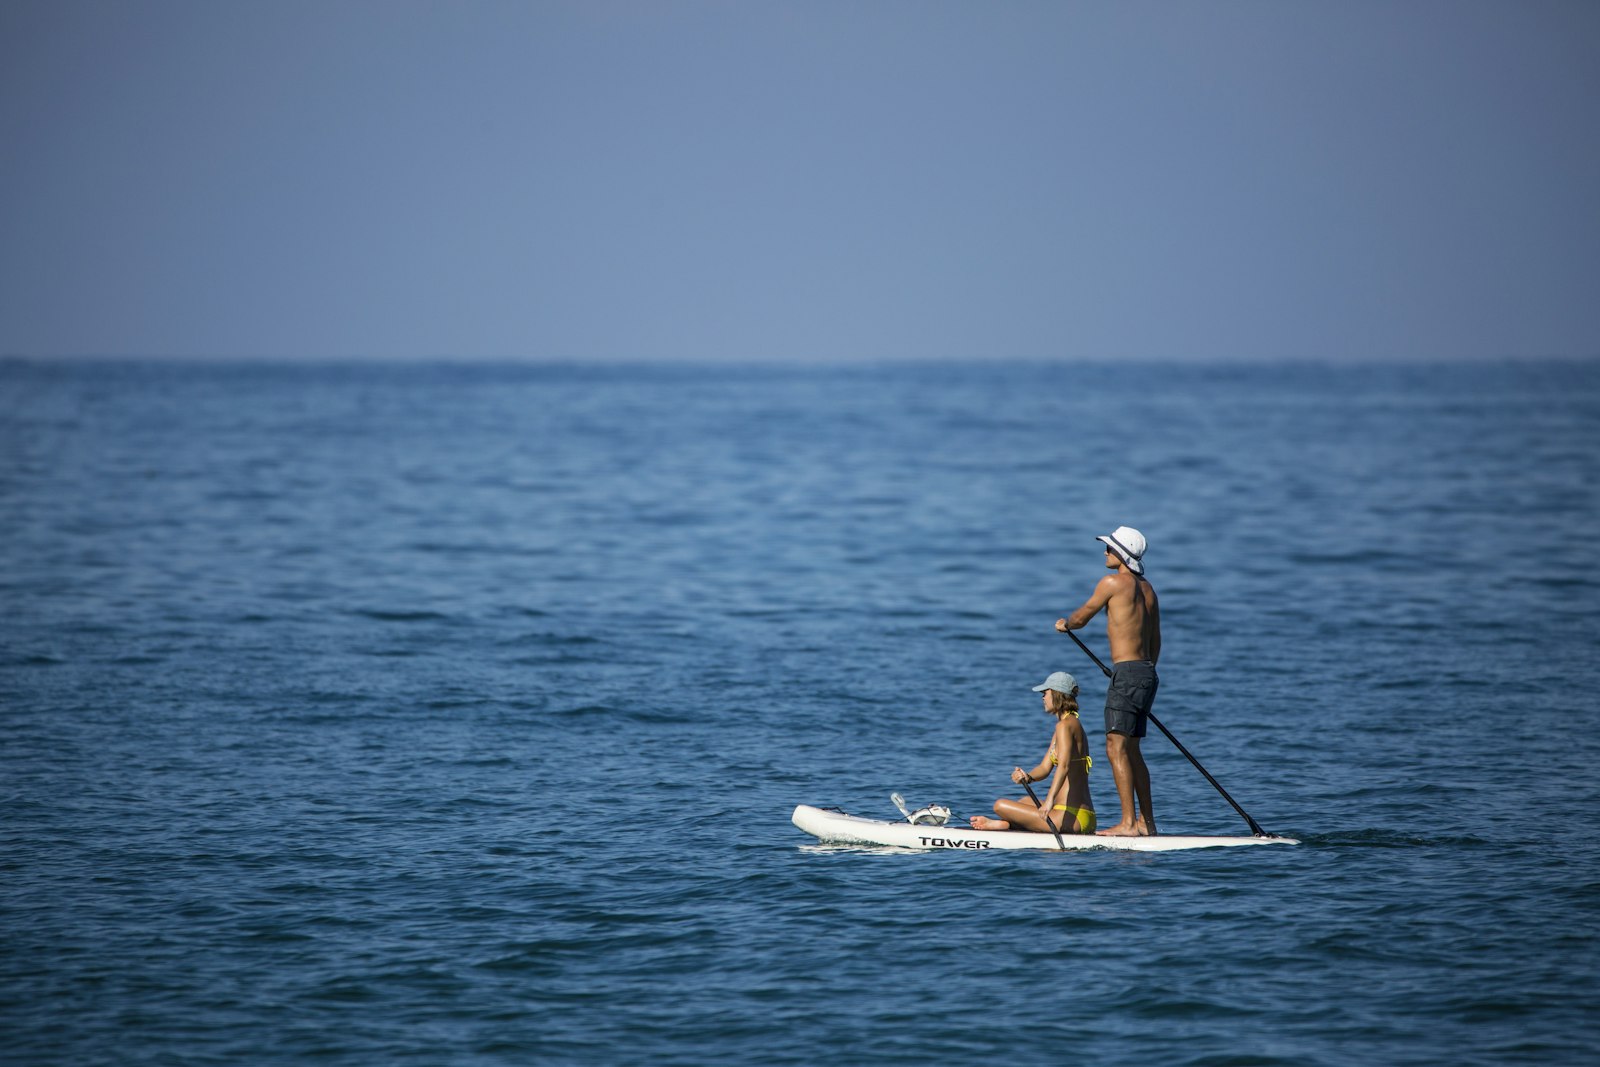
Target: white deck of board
x=837, y=827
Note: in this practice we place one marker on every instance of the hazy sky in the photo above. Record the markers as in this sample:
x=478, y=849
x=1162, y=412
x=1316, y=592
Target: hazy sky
x=766, y=180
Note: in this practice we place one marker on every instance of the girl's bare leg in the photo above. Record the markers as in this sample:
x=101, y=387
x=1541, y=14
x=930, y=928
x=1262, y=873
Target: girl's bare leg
x=1022, y=815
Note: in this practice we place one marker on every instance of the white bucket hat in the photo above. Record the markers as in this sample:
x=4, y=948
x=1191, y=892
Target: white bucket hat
x=1129, y=546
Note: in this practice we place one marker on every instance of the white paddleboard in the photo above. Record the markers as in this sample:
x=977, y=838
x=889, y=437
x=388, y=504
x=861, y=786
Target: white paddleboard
x=836, y=826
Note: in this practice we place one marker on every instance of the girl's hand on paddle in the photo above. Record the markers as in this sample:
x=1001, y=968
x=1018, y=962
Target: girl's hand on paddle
x=1061, y=626
x=1020, y=776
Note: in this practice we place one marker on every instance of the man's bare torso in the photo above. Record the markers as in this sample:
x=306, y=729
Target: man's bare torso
x=1133, y=618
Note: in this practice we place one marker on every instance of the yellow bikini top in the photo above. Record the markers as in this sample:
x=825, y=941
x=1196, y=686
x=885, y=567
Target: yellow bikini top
x=1087, y=762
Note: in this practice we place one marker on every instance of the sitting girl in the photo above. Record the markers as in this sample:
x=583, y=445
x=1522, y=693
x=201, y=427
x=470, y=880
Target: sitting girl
x=1067, y=804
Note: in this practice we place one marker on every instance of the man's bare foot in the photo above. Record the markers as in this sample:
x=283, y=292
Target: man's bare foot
x=1139, y=828
x=983, y=822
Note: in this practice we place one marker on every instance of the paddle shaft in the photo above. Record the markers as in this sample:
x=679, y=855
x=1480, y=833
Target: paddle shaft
x=1255, y=827
x=1046, y=814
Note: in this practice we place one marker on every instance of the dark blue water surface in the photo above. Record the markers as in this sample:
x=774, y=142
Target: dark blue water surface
x=454, y=714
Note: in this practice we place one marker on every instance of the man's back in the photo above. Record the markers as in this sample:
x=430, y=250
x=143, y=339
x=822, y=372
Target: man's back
x=1133, y=618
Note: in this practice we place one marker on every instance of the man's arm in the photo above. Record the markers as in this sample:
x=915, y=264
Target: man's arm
x=1091, y=607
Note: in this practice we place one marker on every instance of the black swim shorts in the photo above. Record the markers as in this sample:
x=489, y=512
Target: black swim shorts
x=1130, y=695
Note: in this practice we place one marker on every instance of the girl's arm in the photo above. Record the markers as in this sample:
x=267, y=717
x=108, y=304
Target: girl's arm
x=1036, y=774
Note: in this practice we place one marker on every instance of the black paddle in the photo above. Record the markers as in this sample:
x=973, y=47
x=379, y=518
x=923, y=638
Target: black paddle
x=1255, y=827
x=1046, y=815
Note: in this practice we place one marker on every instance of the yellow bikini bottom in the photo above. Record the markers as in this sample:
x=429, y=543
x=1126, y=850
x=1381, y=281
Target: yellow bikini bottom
x=1084, y=816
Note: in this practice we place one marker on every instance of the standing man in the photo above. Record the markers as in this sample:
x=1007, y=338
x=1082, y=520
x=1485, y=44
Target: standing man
x=1133, y=625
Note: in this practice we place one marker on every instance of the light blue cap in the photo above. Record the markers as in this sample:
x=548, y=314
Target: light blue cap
x=1061, y=682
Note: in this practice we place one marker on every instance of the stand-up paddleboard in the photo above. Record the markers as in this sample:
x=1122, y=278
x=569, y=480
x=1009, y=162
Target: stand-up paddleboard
x=835, y=826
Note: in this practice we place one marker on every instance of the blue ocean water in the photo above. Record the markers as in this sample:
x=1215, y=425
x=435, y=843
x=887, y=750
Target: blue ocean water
x=455, y=714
